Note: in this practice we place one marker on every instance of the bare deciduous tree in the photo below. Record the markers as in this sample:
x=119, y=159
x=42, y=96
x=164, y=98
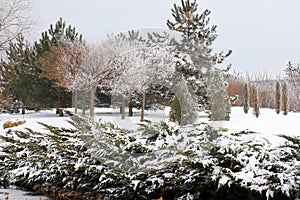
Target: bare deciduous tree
x=16, y=17
x=292, y=72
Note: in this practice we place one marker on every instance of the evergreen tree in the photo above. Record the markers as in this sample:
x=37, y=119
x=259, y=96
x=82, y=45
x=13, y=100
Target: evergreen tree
x=285, y=99
x=196, y=40
x=246, y=98
x=255, y=102
x=60, y=31
x=277, y=97
x=183, y=105
x=26, y=85
x=219, y=102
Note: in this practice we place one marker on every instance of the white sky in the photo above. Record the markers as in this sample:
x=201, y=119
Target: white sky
x=263, y=34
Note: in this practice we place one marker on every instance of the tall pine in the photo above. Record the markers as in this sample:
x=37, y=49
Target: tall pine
x=196, y=40
x=26, y=84
x=51, y=37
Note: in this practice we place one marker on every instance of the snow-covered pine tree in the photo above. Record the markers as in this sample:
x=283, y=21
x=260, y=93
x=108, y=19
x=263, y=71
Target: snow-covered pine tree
x=277, y=97
x=284, y=99
x=246, y=98
x=196, y=40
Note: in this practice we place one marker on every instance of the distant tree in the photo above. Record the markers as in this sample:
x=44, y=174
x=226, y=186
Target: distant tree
x=284, y=97
x=246, y=98
x=236, y=88
x=16, y=17
x=292, y=72
x=255, y=102
x=277, y=98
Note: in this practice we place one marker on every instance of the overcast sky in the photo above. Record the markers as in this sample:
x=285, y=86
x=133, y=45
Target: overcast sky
x=263, y=34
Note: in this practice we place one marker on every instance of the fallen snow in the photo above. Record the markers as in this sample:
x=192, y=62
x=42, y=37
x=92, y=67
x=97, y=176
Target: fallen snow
x=268, y=125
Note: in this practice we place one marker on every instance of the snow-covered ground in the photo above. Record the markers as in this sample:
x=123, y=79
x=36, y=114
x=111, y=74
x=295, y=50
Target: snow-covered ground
x=15, y=194
x=268, y=124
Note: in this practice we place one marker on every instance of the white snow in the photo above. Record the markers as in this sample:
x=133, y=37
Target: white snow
x=268, y=125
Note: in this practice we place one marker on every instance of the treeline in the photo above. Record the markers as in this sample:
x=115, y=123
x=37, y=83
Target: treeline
x=53, y=71
x=280, y=94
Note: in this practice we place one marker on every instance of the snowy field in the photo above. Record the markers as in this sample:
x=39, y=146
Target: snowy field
x=268, y=124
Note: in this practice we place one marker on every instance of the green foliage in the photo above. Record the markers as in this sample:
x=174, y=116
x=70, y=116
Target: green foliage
x=26, y=85
x=277, y=98
x=284, y=97
x=246, y=98
x=196, y=40
x=73, y=159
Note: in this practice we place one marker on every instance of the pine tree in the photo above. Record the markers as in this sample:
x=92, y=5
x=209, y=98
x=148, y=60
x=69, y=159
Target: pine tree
x=246, y=98
x=284, y=99
x=27, y=85
x=52, y=37
x=196, y=40
x=255, y=102
x=277, y=97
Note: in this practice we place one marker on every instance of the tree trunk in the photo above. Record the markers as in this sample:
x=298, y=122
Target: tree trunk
x=143, y=106
x=123, y=107
x=23, y=110
x=130, y=110
x=92, y=97
x=60, y=111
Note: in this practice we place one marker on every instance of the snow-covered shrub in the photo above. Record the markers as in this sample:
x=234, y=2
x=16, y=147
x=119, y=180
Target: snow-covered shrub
x=248, y=160
x=160, y=160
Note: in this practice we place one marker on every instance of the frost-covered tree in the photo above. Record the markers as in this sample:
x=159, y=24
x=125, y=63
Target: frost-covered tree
x=246, y=98
x=284, y=98
x=94, y=71
x=292, y=72
x=16, y=17
x=148, y=65
x=103, y=67
x=277, y=97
